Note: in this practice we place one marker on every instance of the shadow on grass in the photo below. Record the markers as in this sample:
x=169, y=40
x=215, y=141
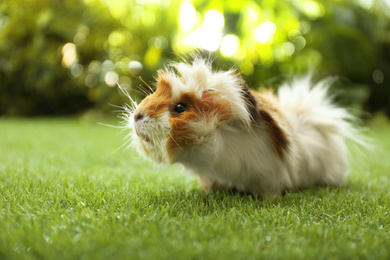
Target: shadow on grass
x=200, y=203
x=174, y=201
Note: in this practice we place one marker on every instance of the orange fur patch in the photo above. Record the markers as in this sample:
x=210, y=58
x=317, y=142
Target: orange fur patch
x=216, y=104
x=159, y=102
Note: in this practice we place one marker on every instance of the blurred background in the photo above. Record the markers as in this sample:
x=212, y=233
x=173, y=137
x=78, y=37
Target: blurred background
x=62, y=57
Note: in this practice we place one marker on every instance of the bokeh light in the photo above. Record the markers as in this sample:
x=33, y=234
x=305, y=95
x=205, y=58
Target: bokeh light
x=288, y=48
x=111, y=78
x=69, y=55
x=264, y=32
x=135, y=67
x=118, y=41
x=187, y=17
x=229, y=45
x=312, y=9
x=208, y=35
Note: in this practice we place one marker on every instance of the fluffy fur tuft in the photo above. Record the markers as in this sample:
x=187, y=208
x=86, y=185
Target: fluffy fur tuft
x=232, y=137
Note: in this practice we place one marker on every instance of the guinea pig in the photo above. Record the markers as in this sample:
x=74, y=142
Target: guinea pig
x=233, y=137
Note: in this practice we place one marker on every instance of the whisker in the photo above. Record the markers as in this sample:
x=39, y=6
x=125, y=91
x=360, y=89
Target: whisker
x=130, y=108
x=138, y=91
x=116, y=106
x=141, y=79
x=112, y=126
x=143, y=90
x=125, y=92
x=127, y=139
x=125, y=110
x=175, y=141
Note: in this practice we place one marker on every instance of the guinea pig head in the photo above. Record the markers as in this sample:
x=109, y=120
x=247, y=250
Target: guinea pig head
x=166, y=124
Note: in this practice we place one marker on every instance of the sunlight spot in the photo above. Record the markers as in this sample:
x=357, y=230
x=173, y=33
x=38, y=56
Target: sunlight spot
x=111, y=78
x=229, y=45
x=265, y=32
x=214, y=18
x=158, y=42
x=288, y=48
x=69, y=55
x=76, y=70
x=367, y=3
x=252, y=15
x=135, y=67
x=312, y=9
x=91, y=80
x=187, y=17
x=81, y=35
x=208, y=35
x=116, y=39
x=117, y=8
x=125, y=82
x=95, y=67
x=205, y=38
x=108, y=65
x=293, y=33
x=138, y=12
x=378, y=76
x=299, y=42
x=164, y=4
x=121, y=66
x=305, y=27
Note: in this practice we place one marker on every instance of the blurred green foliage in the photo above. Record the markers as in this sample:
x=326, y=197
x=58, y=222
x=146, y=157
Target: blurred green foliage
x=64, y=57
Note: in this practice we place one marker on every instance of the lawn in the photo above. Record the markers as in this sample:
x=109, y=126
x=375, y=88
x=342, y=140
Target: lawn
x=68, y=192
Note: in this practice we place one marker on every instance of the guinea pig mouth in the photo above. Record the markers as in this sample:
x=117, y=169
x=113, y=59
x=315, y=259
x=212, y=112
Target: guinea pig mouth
x=145, y=138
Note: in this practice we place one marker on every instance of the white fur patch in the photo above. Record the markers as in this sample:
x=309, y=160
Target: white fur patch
x=156, y=131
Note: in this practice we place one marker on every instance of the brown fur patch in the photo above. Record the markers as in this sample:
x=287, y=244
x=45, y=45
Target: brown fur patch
x=263, y=108
x=269, y=116
x=203, y=111
x=181, y=135
x=250, y=99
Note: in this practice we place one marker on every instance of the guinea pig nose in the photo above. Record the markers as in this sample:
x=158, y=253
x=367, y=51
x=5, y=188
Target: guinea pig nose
x=138, y=116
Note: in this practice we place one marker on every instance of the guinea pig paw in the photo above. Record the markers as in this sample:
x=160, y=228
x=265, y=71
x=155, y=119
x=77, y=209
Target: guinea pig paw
x=208, y=185
x=273, y=195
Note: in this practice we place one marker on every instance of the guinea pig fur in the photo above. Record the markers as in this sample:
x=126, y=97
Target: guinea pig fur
x=233, y=137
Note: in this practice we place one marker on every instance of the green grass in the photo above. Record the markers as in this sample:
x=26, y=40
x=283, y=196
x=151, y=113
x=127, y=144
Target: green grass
x=67, y=194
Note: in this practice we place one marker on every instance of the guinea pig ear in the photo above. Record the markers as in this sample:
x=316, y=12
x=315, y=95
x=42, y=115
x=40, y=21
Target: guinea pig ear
x=214, y=102
x=164, y=87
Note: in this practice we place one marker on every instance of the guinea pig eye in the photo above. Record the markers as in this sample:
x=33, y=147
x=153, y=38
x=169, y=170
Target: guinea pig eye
x=180, y=107
x=208, y=90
